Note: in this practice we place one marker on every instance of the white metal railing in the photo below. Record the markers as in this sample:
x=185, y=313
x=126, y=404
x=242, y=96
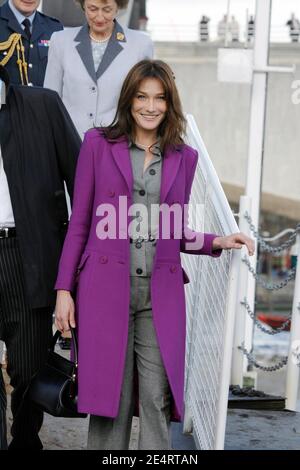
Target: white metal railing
x=211, y=298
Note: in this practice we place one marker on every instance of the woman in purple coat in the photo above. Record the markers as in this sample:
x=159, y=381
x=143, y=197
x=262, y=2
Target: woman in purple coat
x=122, y=254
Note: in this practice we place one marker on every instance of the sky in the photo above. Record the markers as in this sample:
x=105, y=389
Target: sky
x=178, y=19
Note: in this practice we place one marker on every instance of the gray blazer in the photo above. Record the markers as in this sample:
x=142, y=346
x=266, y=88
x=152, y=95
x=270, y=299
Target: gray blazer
x=91, y=96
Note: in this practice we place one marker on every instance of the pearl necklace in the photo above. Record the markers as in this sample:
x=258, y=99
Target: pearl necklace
x=99, y=41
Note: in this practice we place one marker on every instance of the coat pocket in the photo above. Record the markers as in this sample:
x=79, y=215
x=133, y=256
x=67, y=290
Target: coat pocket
x=81, y=264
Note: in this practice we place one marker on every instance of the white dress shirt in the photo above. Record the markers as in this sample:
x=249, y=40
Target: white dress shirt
x=6, y=211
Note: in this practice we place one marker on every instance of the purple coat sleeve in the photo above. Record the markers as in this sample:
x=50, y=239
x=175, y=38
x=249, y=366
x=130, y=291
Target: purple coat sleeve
x=80, y=220
x=195, y=243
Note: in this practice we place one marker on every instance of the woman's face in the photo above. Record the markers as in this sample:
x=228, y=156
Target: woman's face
x=149, y=105
x=100, y=15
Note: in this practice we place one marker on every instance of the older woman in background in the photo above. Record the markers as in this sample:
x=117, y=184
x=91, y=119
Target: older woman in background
x=87, y=65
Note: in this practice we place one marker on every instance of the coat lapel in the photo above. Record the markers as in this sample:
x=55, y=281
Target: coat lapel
x=38, y=27
x=13, y=23
x=170, y=167
x=120, y=151
x=114, y=48
x=171, y=163
x=85, y=51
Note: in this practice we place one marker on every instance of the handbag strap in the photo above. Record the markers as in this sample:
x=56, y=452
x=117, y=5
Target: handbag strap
x=74, y=342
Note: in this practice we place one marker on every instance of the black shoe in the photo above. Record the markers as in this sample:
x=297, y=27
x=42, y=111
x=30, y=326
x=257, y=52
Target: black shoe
x=34, y=444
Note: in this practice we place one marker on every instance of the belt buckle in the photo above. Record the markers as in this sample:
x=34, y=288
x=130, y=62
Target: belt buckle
x=138, y=242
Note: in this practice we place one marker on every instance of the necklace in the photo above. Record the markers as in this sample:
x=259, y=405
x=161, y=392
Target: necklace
x=99, y=41
x=147, y=147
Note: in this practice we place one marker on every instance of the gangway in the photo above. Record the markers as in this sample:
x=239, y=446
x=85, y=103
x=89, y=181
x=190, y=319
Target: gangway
x=211, y=298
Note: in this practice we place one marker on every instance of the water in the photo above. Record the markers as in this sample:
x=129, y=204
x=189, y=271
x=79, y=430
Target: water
x=270, y=349
x=270, y=346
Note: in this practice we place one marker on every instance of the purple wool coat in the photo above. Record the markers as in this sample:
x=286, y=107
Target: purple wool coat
x=99, y=269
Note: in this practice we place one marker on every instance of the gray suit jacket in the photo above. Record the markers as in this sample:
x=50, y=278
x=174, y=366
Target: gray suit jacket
x=91, y=96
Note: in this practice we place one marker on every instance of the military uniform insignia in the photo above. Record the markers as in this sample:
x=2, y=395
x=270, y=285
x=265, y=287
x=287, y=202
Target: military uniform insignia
x=44, y=42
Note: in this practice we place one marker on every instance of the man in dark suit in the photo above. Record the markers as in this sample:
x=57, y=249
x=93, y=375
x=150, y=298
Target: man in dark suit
x=39, y=146
x=21, y=25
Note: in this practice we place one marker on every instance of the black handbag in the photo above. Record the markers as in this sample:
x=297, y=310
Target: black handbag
x=53, y=388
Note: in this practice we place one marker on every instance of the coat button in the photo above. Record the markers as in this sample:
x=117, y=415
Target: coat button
x=111, y=193
x=103, y=259
x=142, y=192
x=173, y=269
x=139, y=271
x=138, y=245
x=152, y=172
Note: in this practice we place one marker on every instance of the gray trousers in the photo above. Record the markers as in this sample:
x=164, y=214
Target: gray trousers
x=154, y=392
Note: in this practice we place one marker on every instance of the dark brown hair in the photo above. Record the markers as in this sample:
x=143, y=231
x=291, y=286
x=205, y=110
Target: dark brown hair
x=172, y=128
x=120, y=3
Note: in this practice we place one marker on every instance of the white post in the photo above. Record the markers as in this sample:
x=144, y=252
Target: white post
x=238, y=359
x=256, y=134
x=227, y=357
x=293, y=366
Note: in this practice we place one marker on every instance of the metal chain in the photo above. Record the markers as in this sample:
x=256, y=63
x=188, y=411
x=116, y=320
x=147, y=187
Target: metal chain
x=267, y=285
x=273, y=331
x=253, y=362
x=265, y=246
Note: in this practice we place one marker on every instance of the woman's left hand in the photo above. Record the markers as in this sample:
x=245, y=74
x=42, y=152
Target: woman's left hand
x=234, y=241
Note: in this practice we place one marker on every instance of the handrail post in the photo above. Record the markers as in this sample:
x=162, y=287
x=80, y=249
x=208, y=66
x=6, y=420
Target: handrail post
x=240, y=318
x=293, y=365
x=227, y=348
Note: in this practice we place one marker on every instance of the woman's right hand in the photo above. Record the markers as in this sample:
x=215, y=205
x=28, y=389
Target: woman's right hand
x=64, y=311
